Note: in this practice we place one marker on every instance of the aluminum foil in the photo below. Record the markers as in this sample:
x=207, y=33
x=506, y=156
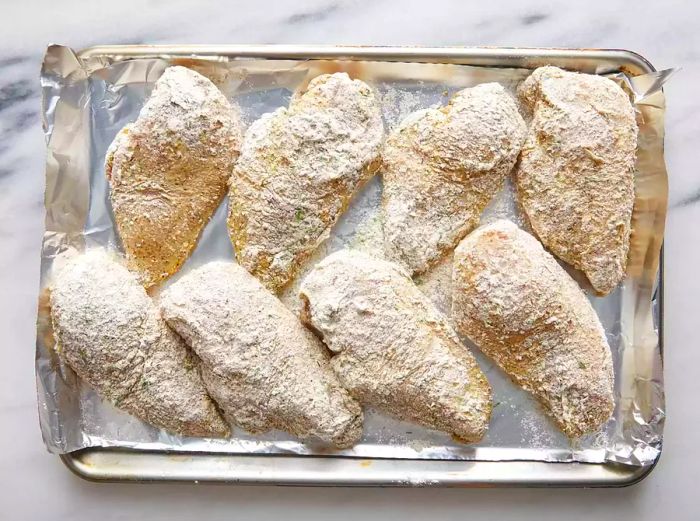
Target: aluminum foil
x=86, y=102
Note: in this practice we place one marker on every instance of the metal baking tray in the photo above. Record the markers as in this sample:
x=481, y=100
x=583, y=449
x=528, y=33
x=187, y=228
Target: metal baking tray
x=112, y=464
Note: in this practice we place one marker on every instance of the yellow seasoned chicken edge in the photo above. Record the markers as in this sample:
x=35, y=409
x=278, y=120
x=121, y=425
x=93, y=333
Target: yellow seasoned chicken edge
x=168, y=171
x=298, y=170
x=575, y=177
x=441, y=167
x=260, y=364
x=515, y=302
x=392, y=349
x=110, y=333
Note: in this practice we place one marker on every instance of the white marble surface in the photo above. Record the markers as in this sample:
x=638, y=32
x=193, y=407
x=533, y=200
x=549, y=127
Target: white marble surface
x=35, y=485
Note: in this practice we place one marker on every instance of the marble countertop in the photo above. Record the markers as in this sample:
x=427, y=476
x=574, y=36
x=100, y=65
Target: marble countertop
x=35, y=485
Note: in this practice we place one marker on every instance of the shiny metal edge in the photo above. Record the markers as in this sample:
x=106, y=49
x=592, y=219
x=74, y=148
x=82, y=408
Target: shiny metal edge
x=124, y=465
x=587, y=59
x=111, y=465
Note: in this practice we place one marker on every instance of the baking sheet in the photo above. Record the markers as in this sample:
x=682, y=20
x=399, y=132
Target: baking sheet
x=86, y=102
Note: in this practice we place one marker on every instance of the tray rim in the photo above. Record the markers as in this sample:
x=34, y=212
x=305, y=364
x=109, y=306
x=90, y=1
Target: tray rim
x=99, y=464
x=103, y=465
x=479, y=56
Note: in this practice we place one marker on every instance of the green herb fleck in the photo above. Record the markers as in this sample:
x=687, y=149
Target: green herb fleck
x=581, y=365
x=497, y=404
x=299, y=214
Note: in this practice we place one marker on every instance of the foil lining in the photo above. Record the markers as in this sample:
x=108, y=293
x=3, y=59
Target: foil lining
x=87, y=101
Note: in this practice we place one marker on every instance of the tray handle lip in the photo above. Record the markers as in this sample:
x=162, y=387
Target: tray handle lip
x=94, y=474
x=636, y=61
